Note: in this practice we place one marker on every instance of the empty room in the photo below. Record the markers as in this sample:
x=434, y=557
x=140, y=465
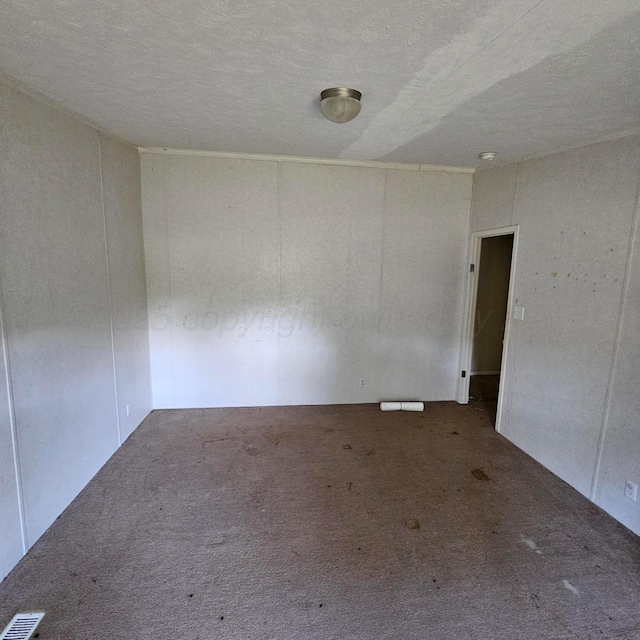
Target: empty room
x=319, y=321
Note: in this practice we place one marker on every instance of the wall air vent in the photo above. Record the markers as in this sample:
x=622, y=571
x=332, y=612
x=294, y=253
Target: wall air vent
x=22, y=626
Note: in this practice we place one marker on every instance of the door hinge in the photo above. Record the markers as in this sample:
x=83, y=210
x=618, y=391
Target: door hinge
x=464, y=374
x=472, y=268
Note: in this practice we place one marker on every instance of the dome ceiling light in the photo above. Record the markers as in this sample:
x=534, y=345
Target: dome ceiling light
x=340, y=104
x=488, y=155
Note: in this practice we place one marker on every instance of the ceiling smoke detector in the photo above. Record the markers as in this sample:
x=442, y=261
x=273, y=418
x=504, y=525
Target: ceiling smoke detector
x=340, y=104
x=488, y=155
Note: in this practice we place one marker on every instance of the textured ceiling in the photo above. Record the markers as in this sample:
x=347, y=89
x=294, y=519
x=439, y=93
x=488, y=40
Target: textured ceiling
x=441, y=80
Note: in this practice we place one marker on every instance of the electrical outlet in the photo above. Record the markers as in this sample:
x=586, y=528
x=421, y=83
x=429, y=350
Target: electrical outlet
x=631, y=490
x=128, y=408
x=518, y=313
x=362, y=382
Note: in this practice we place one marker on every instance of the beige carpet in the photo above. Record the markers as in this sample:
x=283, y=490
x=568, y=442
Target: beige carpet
x=328, y=523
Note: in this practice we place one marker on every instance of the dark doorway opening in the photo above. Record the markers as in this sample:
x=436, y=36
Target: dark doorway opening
x=493, y=272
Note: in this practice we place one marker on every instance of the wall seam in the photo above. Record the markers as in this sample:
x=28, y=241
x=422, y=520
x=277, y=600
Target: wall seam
x=381, y=283
x=515, y=194
x=165, y=220
x=510, y=382
x=278, y=311
x=13, y=427
x=462, y=323
x=616, y=345
x=106, y=255
x=146, y=283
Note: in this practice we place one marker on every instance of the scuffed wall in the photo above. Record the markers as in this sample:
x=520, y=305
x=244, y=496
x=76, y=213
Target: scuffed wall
x=578, y=283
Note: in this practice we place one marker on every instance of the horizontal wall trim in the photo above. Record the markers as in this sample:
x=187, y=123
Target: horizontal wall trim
x=371, y=164
x=627, y=133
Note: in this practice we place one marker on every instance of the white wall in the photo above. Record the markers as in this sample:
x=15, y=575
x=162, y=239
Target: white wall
x=620, y=450
x=287, y=283
x=125, y=252
x=68, y=259
x=562, y=405
x=11, y=541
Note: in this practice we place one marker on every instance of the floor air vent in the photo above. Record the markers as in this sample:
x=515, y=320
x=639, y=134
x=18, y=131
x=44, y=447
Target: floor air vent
x=22, y=626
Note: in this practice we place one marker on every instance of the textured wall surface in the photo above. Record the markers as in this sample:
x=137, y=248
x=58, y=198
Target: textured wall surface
x=11, y=546
x=562, y=406
x=57, y=304
x=620, y=454
x=423, y=255
x=125, y=253
x=330, y=249
x=282, y=283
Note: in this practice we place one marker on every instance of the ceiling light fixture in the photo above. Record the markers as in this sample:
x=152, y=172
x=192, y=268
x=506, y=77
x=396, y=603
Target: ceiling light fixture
x=488, y=155
x=340, y=104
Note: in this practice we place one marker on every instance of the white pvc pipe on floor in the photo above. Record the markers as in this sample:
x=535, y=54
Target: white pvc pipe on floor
x=402, y=406
x=412, y=406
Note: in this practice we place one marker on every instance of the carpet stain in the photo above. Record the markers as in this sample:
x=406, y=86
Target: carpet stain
x=346, y=446
x=570, y=587
x=267, y=542
x=531, y=544
x=479, y=474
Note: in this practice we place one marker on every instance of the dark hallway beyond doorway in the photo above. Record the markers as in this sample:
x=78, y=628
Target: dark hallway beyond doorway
x=483, y=390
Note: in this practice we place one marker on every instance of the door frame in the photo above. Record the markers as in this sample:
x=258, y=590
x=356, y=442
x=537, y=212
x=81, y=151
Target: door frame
x=466, y=350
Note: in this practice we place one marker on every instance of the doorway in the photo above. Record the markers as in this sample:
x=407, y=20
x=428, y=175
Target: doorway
x=488, y=319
